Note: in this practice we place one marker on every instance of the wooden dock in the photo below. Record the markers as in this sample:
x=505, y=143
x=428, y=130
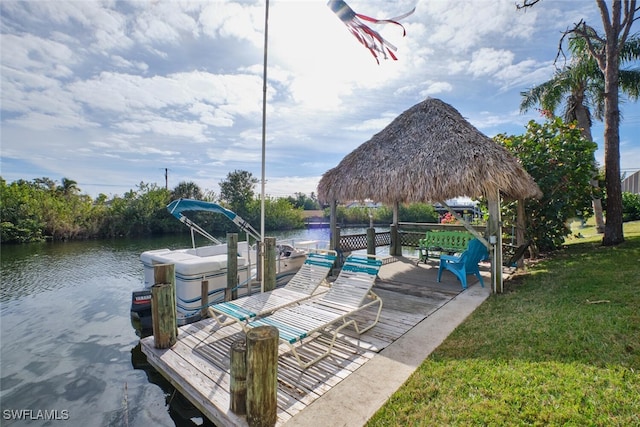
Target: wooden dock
x=198, y=364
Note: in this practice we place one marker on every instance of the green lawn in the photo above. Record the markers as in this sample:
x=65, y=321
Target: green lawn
x=561, y=346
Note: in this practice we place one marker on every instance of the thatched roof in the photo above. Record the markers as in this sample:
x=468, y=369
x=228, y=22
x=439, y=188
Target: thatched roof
x=429, y=153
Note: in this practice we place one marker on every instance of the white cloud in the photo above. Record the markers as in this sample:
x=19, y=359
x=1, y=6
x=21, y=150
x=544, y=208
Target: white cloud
x=127, y=93
x=488, y=61
x=192, y=131
x=434, y=88
x=232, y=20
x=163, y=22
x=289, y=185
x=462, y=26
x=210, y=115
x=121, y=62
x=42, y=121
x=35, y=54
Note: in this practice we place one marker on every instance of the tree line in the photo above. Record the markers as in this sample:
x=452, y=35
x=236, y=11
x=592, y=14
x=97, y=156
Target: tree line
x=555, y=153
x=41, y=209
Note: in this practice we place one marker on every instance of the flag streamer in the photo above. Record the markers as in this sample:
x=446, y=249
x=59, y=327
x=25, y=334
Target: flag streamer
x=370, y=38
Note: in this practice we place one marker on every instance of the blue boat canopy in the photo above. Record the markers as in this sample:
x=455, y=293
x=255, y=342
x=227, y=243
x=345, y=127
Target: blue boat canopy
x=183, y=205
x=177, y=207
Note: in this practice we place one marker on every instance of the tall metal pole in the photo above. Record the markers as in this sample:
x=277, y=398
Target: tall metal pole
x=264, y=138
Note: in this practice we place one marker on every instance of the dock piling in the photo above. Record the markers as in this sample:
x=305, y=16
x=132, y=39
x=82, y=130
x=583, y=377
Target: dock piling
x=262, y=376
x=163, y=306
x=204, y=297
x=231, y=292
x=371, y=241
x=238, y=386
x=269, y=264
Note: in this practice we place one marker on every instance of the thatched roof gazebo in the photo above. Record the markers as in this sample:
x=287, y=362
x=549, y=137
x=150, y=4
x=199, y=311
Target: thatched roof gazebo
x=429, y=153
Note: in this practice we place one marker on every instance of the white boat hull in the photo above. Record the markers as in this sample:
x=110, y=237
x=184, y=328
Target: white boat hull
x=207, y=263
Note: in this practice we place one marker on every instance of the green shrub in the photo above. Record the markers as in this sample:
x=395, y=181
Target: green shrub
x=630, y=207
x=560, y=161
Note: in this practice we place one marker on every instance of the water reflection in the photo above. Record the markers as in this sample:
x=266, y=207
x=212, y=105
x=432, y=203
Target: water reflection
x=181, y=411
x=40, y=267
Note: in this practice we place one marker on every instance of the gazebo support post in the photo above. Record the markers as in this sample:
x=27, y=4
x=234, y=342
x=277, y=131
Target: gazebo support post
x=396, y=245
x=520, y=228
x=371, y=241
x=495, y=238
x=334, y=238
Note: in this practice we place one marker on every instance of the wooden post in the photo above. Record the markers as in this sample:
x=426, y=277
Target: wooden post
x=163, y=306
x=334, y=233
x=371, y=241
x=269, y=264
x=238, y=386
x=395, y=244
x=336, y=248
x=495, y=229
x=333, y=242
x=262, y=376
x=259, y=263
x=231, y=292
x=396, y=212
x=259, y=258
x=204, y=298
x=520, y=228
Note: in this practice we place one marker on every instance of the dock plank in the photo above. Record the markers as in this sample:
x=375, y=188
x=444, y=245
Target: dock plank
x=193, y=384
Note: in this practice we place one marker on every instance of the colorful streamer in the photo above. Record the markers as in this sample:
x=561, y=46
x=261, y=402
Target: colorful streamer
x=370, y=38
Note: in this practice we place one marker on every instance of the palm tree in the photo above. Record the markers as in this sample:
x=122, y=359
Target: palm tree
x=45, y=183
x=68, y=187
x=580, y=85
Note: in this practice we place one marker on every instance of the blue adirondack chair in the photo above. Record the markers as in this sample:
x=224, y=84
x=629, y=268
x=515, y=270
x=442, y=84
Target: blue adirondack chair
x=466, y=263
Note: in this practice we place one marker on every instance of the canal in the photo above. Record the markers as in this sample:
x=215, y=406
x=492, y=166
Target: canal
x=69, y=354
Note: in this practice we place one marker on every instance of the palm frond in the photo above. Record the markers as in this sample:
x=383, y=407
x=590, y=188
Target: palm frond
x=630, y=83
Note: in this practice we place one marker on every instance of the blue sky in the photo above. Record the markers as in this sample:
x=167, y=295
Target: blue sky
x=109, y=94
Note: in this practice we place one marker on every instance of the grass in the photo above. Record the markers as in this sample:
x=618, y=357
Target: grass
x=561, y=346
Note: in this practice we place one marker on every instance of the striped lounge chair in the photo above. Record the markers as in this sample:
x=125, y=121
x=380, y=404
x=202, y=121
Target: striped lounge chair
x=301, y=286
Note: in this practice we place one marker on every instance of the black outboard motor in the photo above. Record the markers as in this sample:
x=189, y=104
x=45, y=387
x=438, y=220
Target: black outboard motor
x=141, y=310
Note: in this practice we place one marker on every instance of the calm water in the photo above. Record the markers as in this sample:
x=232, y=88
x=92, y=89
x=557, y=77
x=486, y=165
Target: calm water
x=67, y=346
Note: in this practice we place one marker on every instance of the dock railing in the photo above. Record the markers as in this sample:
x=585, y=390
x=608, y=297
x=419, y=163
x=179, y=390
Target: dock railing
x=406, y=234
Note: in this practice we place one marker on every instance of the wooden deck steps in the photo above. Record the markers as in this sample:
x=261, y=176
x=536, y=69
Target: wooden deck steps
x=198, y=364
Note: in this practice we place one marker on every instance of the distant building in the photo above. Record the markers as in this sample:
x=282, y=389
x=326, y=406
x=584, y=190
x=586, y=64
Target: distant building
x=463, y=206
x=365, y=204
x=631, y=184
